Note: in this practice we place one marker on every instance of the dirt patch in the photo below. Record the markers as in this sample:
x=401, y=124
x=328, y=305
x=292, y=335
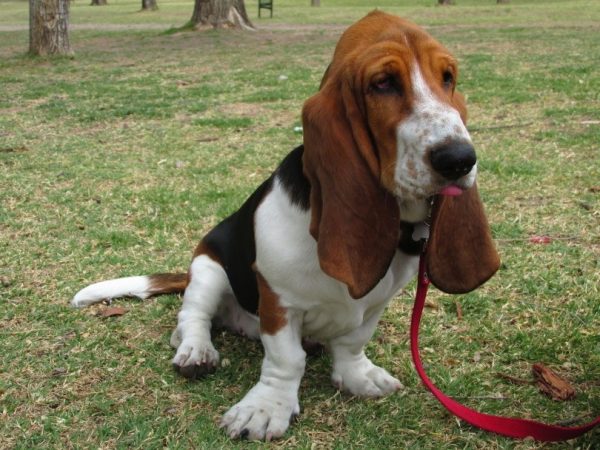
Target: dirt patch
x=242, y=109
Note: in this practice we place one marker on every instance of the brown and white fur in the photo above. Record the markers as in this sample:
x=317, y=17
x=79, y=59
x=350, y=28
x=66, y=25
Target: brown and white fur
x=322, y=246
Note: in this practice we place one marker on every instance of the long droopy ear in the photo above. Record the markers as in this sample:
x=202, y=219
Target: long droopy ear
x=355, y=221
x=460, y=253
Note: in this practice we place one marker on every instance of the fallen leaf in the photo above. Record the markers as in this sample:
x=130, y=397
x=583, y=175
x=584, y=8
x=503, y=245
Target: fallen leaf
x=540, y=239
x=59, y=372
x=551, y=384
x=113, y=311
x=17, y=149
x=170, y=411
x=514, y=380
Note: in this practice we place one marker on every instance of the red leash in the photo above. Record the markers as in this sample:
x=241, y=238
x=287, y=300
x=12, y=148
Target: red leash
x=512, y=427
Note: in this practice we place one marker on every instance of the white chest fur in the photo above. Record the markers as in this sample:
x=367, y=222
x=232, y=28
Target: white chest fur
x=286, y=255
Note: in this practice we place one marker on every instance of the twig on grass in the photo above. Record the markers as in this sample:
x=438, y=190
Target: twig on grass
x=514, y=380
x=483, y=397
x=574, y=420
x=526, y=239
x=501, y=127
x=459, y=312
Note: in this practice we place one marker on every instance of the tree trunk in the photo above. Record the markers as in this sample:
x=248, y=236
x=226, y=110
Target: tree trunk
x=315, y=2
x=149, y=5
x=98, y=3
x=221, y=14
x=49, y=27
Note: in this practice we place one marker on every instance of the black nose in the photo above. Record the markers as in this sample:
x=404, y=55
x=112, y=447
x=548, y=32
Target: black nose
x=453, y=159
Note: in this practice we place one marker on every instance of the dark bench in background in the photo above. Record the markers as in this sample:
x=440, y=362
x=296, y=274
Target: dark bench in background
x=265, y=4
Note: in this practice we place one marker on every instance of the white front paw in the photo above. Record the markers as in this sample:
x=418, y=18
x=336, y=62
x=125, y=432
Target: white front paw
x=365, y=379
x=265, y=413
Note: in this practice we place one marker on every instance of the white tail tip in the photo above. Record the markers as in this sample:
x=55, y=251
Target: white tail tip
x=138, y=286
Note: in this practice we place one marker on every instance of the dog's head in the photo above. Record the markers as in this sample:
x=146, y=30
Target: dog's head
x=386, y=128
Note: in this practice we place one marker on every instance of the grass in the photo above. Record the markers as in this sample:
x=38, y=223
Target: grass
x=117, y=161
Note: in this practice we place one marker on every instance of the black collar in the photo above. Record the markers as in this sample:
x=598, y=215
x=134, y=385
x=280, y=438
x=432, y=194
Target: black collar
x=407, y=244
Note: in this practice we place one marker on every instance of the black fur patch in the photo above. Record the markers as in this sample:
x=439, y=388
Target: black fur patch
x=292, y=178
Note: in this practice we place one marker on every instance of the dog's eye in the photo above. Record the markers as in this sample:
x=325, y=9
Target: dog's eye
x=448, y=79
x=385, y=84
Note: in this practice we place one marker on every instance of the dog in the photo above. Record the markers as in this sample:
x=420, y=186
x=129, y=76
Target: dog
x=323, y=245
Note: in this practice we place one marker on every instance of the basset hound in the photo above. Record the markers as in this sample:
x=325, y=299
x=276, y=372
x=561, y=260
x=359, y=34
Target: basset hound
x=324, y=244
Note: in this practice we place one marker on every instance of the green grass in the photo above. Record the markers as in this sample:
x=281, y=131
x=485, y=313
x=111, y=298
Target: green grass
x=117, y=161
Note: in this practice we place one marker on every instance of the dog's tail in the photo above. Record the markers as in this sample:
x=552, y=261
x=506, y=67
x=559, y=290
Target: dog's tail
x=139, y=286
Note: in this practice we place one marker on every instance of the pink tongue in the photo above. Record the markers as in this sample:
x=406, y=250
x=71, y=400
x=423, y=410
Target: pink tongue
x=451, y=191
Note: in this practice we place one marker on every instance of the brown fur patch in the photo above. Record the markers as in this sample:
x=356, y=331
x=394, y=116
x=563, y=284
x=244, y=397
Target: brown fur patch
x=271, y=313
x=203, y=249
x=168, y=283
